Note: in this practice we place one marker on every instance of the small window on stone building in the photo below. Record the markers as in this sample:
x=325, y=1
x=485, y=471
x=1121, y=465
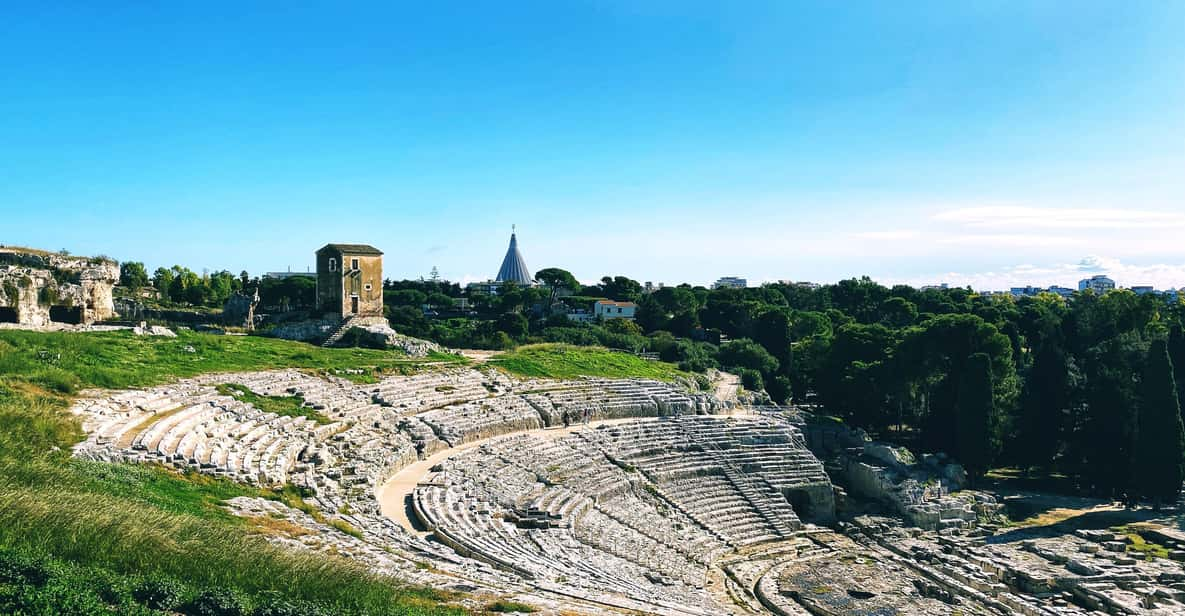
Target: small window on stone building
x=369, y=286
x=333, y=265
x=354, y=264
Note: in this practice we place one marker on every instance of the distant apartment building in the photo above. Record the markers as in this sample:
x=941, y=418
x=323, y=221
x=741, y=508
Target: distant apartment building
x=730, y=282
x=290, y=274
x=802, y=284
x=1098, y=283
x=1143, y=289
x=608, y=309
x=1031, y=291
x=650, y=287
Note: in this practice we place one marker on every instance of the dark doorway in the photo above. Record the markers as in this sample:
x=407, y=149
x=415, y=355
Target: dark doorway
x=354, y=304
x=800, y=501
x=65, y=314
x=8, y=315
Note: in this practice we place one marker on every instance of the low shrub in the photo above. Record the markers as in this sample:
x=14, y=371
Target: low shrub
x=217, y=602
x=159, y=592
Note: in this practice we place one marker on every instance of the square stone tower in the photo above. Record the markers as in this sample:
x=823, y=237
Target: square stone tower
x=350, y=280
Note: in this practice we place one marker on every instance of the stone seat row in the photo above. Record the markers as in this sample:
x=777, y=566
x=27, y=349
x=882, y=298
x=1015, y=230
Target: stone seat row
x=461, y=423
x=477, y=529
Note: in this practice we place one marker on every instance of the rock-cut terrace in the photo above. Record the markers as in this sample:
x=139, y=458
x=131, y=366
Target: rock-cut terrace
x=593, y=496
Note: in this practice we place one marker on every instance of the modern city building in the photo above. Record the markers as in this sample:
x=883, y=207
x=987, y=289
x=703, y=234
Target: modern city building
x=1098, y=283
x=730, y=282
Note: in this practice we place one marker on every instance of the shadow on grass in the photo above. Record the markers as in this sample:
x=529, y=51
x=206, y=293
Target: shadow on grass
x=1091, y=520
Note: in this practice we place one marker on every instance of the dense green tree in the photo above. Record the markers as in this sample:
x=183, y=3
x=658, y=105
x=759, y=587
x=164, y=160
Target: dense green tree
x=620, y=288
x=405, y=297
x=772, y=330
x=623, y=326
x=858, y=298
x=1160, y=440
x=221, y=285
x=932, y=357
x=778, y=389
x=162, y=279
x=511, y=297
x=133, y=275
x=898, y=312
x=730, y=312
x=671, y=308
x=1045, y=406
x=513, y=324
x=437, y=299
x=1107, y=437
x=847, y=380
x=977, y=424
x=751, y=379
x=408, y=320
x=1177, y=355
x=289, y=293
x=557, y=280
x=745, y=353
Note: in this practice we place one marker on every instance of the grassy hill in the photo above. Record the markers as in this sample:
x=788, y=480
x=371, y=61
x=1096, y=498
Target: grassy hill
x=79, y=537
x=562, y=361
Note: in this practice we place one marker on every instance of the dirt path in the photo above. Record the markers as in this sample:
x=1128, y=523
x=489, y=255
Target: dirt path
x=477, y=356
x=725, y=386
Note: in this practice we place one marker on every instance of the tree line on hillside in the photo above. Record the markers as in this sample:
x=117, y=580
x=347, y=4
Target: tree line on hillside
x=180, y=286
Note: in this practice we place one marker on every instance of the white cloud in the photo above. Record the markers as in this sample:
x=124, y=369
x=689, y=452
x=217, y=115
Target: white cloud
x=1010, y=240
x=1024, y=217
x=894, y=234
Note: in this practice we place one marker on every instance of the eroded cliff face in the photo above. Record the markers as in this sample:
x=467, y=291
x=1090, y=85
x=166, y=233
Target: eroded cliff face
x=39, y=288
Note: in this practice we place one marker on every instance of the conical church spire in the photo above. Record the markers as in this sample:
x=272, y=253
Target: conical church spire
x=514, y=268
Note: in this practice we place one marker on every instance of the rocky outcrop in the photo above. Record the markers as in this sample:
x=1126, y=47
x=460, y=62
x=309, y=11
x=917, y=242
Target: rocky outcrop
x=239, y=310
x=371, y=332
x=37, y=288
x=380, y=335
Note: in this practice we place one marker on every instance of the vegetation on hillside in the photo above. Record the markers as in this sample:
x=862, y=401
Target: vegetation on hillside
x=79, y=537
x=563, y=361
x=287, y=406
x=64, y=361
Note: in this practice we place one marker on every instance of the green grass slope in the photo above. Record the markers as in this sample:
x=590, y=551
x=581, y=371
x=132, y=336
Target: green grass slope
x=81, y=537
x=562, y=361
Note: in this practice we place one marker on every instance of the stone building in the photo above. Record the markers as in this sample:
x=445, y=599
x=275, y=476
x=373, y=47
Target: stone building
x=38, y=288
x=350, y=280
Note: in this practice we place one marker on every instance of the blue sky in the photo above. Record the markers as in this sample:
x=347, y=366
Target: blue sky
x=982, y=143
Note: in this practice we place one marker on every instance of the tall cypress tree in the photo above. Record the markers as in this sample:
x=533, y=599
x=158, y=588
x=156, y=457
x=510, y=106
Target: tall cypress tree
x=976, y=427
x=1177, y=355
x=1046, y=400
x=1160, y=440
x=1108, y=440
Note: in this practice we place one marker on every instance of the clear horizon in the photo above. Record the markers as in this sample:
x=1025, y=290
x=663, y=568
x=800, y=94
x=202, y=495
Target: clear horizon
x=991, y=145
